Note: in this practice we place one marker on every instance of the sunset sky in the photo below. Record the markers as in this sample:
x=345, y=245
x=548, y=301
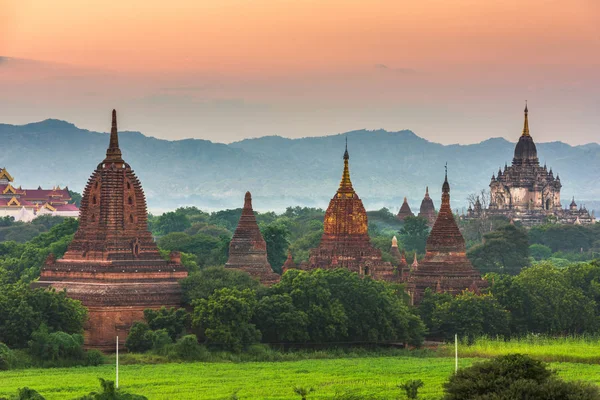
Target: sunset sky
x=453, y=71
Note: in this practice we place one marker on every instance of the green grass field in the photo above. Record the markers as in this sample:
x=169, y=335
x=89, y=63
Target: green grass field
x=376, y=376
x=579, y=349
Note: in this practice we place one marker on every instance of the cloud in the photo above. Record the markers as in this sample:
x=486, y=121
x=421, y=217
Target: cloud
x=401, y=70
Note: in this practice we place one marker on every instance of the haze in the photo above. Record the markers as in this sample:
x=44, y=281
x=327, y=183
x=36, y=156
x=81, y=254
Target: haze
x=452, y=71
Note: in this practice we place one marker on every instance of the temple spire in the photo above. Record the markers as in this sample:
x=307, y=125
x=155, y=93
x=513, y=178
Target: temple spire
x=526, y=123
x=113, y=153
x=346, y=183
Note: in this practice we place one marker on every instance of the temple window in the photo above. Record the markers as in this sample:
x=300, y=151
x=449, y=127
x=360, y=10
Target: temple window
x=93, y=199
x=128, y=185
x=131, y=218
x=130, y=200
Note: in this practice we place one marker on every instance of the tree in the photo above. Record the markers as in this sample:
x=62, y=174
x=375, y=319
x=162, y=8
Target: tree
x=280, y=321
x=175, y=321
x=225, y=318
x=414, y=233
x=514, y=376
x=75, y=197
x=329, y=298
x=504, y=251
x=171, y=222
x=470, y=316
x=202, y=284
x=23, y=311
x=277, y=245
x=542, y=299
x=540, y=252
x=140, y=338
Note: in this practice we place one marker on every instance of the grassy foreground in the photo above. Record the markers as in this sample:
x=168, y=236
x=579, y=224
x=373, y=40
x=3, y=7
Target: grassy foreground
x=580, y=349
x=376, y=376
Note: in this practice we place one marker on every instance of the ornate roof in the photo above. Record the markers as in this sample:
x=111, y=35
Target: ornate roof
x=525, y=151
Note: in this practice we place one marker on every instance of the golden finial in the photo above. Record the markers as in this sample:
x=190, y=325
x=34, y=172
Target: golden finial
x=526, y=124
x=346, y=184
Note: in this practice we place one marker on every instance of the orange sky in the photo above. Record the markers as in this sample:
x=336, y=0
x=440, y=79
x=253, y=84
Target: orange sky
x=305, y=67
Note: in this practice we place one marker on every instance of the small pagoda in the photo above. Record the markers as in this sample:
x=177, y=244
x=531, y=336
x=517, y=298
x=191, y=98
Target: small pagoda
x=248, y=249
x=113, y=265
x=427, y=209
x=405, y=211
x=445, y=267
x=345, y=242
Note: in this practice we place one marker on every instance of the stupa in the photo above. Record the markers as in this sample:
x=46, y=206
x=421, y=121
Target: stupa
x=405, y=211
x=345, y=242
x=427, y=209
x=248, y=249
x=445, y=266
x=113, y=265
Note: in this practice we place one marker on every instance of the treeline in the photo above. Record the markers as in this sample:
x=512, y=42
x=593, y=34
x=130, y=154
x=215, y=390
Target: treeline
x=230, y=311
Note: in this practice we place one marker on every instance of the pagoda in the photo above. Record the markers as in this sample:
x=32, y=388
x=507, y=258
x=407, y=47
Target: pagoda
x=113, y=265
x=445, y=266
x=527, y=191
x=427, y=209
x=289, y=263
x=345, y=242
x=405, y=211
x=248, y=249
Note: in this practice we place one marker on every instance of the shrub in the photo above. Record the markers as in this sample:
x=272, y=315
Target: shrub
x=56, y=345
x=411, y=388
x=94, y=358
x=175, y=321
x=187, y=348
x=7, y=357
x=110, y=392
x=139, y=339
x=514, y=376
x=26, y=394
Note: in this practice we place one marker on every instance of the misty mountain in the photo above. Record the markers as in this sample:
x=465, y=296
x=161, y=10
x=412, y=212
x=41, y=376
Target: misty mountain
x=385, y=166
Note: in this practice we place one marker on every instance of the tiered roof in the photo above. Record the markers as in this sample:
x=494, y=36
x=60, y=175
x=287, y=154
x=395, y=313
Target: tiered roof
x=248, y=249
x=113, y=265
x=445, y=264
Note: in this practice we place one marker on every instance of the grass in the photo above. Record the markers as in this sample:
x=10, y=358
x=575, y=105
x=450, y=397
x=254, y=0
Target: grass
x=375, y=376
x=580, y=349
x=331, y=372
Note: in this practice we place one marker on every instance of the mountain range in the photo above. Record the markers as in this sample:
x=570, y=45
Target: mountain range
x=280, y=172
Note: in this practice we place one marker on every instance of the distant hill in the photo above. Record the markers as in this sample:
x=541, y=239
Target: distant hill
x=385, y=166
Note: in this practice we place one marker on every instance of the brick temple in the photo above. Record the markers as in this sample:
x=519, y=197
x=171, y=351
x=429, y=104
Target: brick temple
x=248, y=249
x=345, y=242
x=405, y=211
x=113, y=265
x=427, y=209
x=445, y=267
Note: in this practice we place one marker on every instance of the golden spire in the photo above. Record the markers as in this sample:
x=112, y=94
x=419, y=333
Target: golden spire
x=346, y=184
x=526, y=124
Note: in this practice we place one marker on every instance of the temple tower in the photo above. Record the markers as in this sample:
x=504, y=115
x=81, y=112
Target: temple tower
x=248, y=249
x=113, y=265
x=445, y=265
x=405, y=211
x=345, y=242
x=427, y=209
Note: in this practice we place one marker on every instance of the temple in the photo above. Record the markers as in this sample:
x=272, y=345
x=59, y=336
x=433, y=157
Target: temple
x=528, y=192
x=248, y=249
x=427, y=209
x=113, y=265
x=405, y=211
x=445, y=267
x=345, y=242
x=27, y=204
